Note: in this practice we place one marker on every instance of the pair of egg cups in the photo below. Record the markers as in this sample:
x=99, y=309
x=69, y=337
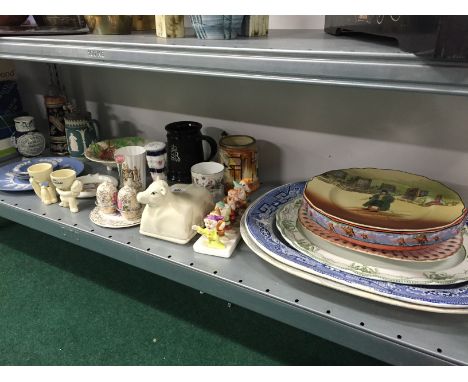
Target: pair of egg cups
x=47, y=184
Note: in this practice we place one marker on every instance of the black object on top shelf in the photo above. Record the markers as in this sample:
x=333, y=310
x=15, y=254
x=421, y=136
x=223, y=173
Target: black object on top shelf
x=437, y=37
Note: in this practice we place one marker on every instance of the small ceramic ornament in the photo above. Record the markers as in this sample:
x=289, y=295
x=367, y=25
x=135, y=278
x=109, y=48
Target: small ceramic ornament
x=216, y=241
x=68, y=187
x=39, y=177
x=215, y=221
x=127, y=202
x=224, y=210
x=68, y=197
x=170, y=215
x=106, y=197
x=211, y=236
x=221, y=233
x=236, y=199
x=48, y=195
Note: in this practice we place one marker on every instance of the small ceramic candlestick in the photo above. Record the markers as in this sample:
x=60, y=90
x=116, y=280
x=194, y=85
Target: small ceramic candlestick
x=106, y=197
x=68, y=197
x=127, y=201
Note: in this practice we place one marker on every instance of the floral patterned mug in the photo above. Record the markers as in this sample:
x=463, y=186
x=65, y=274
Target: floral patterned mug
x=210, y=176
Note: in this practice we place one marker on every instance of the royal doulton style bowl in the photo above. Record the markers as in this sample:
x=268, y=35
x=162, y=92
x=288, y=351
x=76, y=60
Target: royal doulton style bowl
x=384, y=209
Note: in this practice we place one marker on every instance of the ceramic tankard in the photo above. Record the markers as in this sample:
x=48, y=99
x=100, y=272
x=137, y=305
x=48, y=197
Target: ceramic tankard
x=81, y=131
x=238, y=154
x=184, y=149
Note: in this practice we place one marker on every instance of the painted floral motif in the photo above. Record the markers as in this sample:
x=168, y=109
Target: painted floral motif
x=106, y=195
x=127, y=199
x=115, y=220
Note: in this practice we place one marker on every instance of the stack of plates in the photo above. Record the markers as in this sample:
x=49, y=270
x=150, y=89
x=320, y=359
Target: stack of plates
x=384, y=209
x=278, y=227
x=14, y=176
x=20, y=171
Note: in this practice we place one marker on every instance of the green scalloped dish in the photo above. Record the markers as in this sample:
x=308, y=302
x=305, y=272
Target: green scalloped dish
x=103, y=151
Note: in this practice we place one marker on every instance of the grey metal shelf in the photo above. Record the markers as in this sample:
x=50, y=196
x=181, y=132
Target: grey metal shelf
x=394, y=335
x=302, y=56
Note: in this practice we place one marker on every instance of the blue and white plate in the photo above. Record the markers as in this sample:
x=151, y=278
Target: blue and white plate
x=10, y=182
x=261, y=227
x=21, y=169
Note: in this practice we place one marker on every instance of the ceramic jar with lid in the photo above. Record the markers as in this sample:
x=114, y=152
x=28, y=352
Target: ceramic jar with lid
x=127, y=202
x=106, y=197
x=28, y=141
x=238, y=154
x=55, y=107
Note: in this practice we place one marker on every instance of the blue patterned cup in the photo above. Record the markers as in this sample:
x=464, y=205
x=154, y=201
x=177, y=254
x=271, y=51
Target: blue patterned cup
x=156, y=158
x=220, y=27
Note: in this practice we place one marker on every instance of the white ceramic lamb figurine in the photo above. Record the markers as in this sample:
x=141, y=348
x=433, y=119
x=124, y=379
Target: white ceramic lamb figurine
x=170, y=215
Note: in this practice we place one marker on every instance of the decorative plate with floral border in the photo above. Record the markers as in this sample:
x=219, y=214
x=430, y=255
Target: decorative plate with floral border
x=385, y=209
x=115, y=220
x=260, y=223
x=434, y=253
x=103, y=151
x=448, y=272
x=10, y=182
x=316, y=279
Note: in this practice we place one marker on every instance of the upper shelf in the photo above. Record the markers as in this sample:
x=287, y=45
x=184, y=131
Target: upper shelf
x=303, y=56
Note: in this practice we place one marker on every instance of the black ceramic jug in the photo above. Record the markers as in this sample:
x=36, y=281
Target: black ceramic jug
x=184, y=149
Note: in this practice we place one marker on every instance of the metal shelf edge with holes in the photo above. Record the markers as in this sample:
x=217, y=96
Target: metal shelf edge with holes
x=394, y=335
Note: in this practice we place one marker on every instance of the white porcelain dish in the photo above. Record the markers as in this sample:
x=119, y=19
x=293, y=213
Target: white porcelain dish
x=445, y=272
x=338, y=286
x=114, y=220
x=260, y=223
x=91, y=183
